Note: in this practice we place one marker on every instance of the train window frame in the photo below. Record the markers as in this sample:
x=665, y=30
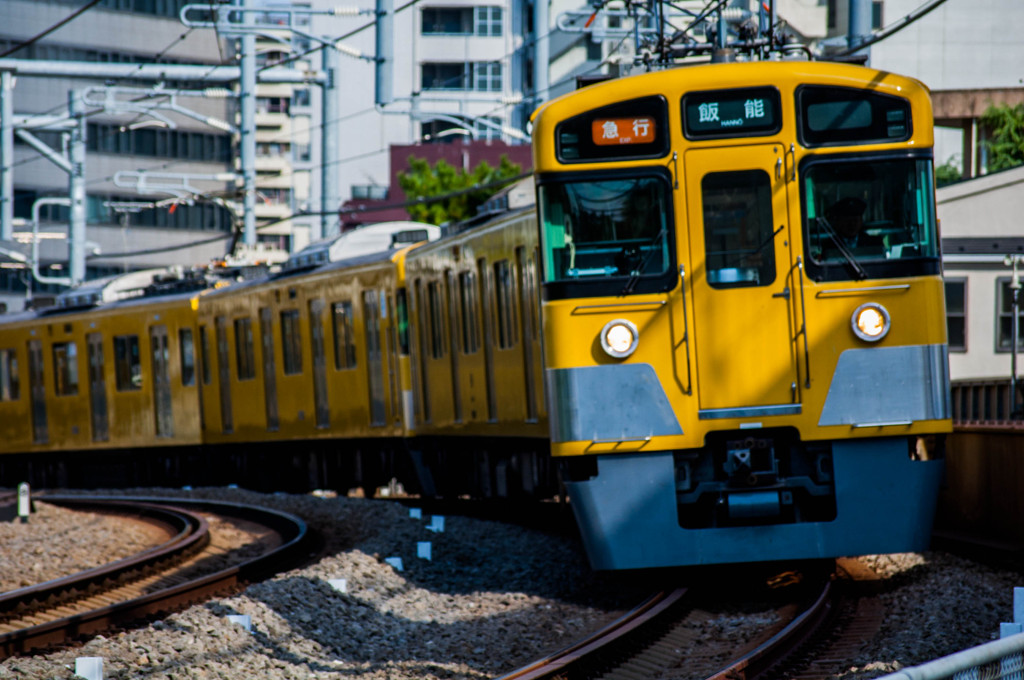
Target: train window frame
x=827, y=137
x=344, y=339
x=469, y=317
x=204, y=354
x=569, y=288
x=291, y=341
x=187, y=356
x=959, y=315
x=653, y=106
x=705, y=98
x=402, y=320
x=435, y=314
x=731, y=274
x=127, y=363
x=879, y=267
x=65, y=368
x=507, y=330
x=10, y=385
x=245, y=350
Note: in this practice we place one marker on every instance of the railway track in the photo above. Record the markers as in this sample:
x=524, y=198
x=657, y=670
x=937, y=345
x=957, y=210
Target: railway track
x=156, y=581
x=649, y=641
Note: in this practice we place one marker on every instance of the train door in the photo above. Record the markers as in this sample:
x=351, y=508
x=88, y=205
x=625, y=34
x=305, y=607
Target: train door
x=97, y=388
x=37, y=389
x=740, y=256
x=316, y=335
x=269, y=368
x=483, y=276
x=527, y=300
x=393, y=350
x=453, y=325
x=163, y=415
x=374, y=358
x=224, y=376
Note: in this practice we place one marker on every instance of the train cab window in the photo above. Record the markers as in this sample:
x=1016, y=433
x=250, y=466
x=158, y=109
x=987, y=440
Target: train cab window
x=606, y=235
x=869, y=217
x=468, y=304
x=504, y=304
x=840, y=116
x=344, y=343
x=204, y=354
x=738, y=229
x=245, y=352
x=625, y=130
x=65, y=368
x=187, y=354
x=8, y=375
x=291, y=341
x=127, y=364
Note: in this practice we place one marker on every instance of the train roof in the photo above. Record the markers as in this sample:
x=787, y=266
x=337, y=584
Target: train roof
x=384, y=237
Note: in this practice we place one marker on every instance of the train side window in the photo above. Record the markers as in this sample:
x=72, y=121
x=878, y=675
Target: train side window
x=956, y=314
x=402, y=320
x=291, y=341
x=344, y=341
x=738, y=246
x=245, y=354
x=187, y=352
x=504, y=299
x=204, y=354
x=65, y=369
x=127, y=364
x=8, y=375
x=468, y=302
x=437, y=345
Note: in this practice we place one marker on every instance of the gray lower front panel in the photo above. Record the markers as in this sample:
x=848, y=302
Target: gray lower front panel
x=620, y=402
x=886, y=385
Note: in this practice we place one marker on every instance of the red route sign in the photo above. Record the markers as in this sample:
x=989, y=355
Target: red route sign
x=615, y=131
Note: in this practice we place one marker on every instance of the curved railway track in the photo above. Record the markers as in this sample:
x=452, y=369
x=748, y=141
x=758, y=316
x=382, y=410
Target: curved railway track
x=647, y=642
x=153, y=582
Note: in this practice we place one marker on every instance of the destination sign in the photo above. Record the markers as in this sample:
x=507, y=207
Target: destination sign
x=731, y=113
x=609, y=131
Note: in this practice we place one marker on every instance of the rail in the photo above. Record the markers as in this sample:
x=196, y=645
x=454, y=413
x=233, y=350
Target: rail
x=1000, y=659
x=984, y=404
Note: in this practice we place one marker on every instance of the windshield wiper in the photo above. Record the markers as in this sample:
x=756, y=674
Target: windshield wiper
x=842, y=248
x=634, y=276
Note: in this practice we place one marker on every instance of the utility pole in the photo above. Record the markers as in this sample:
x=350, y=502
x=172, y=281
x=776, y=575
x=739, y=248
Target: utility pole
x=76, y=188
x=247, y=128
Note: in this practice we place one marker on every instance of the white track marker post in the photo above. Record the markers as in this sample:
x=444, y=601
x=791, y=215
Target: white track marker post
x=415, y=513
x=1008, y=629
x=339, y=584
x=243, y=620
x=24, y=502
x=395, y=562
x=89, y=667
x=436, y=524
x=423, y=550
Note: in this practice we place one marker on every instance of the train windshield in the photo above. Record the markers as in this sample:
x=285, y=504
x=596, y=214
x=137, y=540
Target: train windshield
x=612, y=231
x=869, y=218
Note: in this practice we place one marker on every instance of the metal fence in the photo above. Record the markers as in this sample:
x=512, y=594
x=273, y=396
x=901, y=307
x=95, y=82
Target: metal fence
x=985, y=403
x=1000, y=659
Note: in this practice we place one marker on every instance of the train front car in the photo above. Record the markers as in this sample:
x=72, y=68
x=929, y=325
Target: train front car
x=744, y=321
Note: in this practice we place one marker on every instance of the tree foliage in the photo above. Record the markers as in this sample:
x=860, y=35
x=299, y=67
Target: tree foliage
x=423, y=181
x=1005, y=143
x=948, y=172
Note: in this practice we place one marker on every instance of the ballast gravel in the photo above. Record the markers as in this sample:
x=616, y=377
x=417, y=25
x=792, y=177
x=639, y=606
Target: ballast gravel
x=492, y=597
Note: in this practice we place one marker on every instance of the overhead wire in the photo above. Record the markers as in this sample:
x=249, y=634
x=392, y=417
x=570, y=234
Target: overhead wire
x=39, y=36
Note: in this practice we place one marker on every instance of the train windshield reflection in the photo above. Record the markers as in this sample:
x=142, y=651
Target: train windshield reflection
x=597, y=229
x=867, y=217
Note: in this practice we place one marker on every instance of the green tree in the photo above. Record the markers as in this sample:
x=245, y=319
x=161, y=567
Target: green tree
x=1005, y=143
x=423, y=181
x=948, y=172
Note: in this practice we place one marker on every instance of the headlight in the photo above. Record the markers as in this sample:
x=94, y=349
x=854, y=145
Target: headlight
x=870, y=322
x=619, y=338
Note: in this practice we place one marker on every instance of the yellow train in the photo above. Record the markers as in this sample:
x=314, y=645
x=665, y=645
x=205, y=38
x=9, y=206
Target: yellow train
x=720, y=328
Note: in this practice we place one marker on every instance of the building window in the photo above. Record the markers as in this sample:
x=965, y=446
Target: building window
x=481, y=21
x=477, y=76
x=8, y=375
x=344, y=345
x=956, y=314
x=127, y=366
x=1004, y=302
x=876, y=15
x=188, y=356
x=481, y=130
x=245, y=355
x=291, y=341
x=487, y=21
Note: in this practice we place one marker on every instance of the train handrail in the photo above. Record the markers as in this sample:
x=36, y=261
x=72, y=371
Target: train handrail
x=799, y=267
x=686, y=329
